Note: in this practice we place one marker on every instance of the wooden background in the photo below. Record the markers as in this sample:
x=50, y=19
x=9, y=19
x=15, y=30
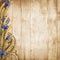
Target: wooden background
x=36, y=26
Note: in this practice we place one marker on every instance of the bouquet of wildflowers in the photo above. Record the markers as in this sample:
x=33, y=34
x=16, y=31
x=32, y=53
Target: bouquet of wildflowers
x=7, y=40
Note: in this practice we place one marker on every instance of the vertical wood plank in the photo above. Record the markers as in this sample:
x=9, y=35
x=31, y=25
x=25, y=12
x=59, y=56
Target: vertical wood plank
x=52, y=55
x=19, y=47
x=32, y=56
x=58, y=13
x=25, y=29
x=44, y=41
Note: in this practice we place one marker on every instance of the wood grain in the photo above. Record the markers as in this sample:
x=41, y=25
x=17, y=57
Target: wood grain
x=36, y=26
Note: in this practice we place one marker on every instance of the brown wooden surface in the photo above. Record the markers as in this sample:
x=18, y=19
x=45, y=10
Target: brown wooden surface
x=36, y=26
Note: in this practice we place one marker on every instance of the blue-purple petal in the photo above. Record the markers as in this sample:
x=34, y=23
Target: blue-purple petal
x=7, y=21
x=7, y=3
x=8, y=37
x=2, y=53
x=5, y=26
x=3, y=18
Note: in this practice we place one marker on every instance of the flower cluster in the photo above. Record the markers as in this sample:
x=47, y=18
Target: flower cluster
x=8, y=40
x=4, y=25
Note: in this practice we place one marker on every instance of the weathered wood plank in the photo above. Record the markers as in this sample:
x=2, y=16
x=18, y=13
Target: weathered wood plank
x=25, y=27
x=58, y=13
x=52, y=30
